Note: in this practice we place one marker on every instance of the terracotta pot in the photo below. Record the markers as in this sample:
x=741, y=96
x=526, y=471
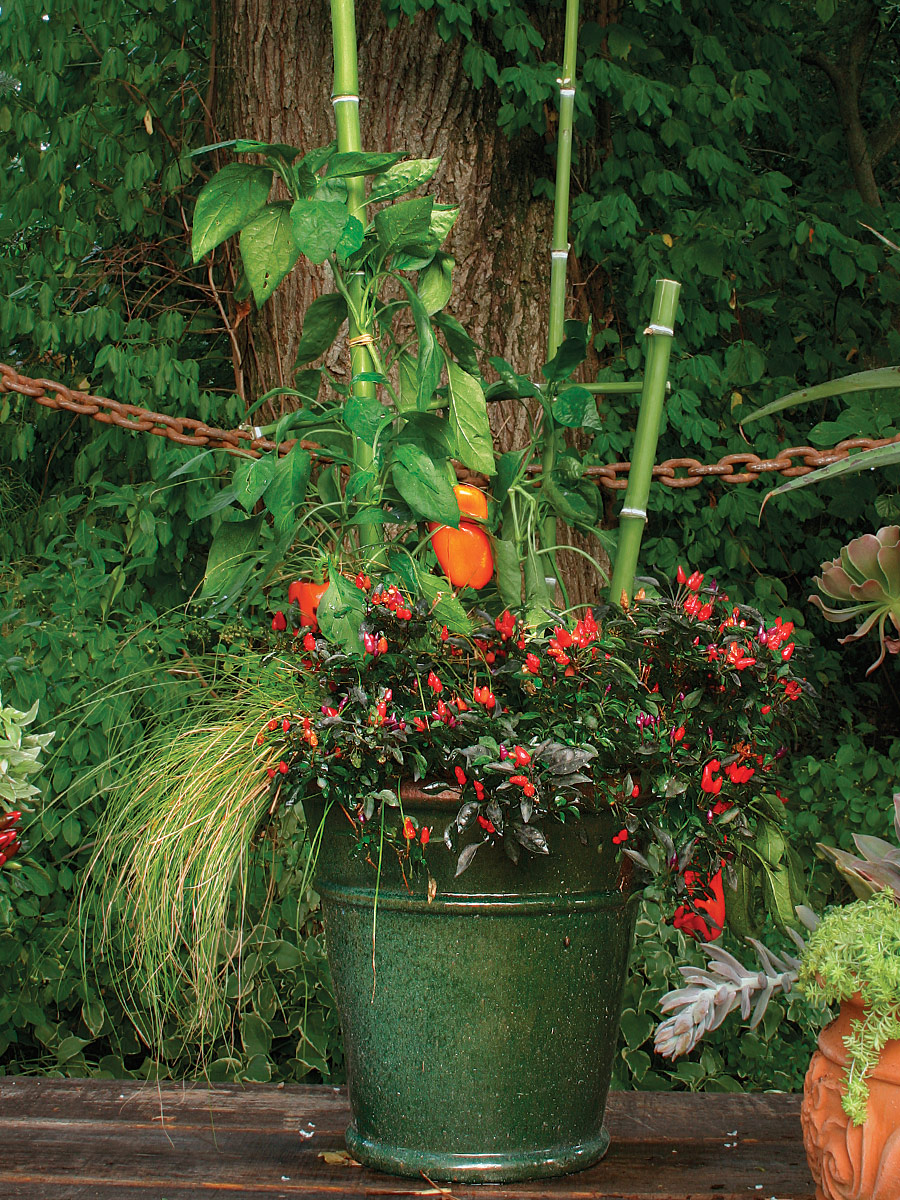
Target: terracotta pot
x=307, y=595
x=851, y=1162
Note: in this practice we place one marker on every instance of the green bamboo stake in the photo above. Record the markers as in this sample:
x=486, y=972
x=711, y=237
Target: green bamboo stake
x=633, y=515
x=345, y=99
x=559, y=252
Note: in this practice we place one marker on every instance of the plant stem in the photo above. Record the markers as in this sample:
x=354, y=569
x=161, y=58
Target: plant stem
x=559, y=253
x=346, y=115
x=633, y=515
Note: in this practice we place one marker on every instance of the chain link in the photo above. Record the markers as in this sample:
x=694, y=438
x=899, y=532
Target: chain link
x=673, y=473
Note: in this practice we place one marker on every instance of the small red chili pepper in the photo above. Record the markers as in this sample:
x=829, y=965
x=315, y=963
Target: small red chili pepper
x=409, y=829
x=486, y=825
x=425, y=835
x=279, y=622
x=460, y=776
x=707, y=783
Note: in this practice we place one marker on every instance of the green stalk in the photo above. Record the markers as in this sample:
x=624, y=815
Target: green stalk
x=633, y=515
x=559, y=252
x=345, y=99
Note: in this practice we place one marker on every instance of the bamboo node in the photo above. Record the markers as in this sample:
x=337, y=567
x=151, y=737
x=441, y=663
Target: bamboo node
x=628, y=511
x=363, y=339
x=559, y=253
x=664, y=329
x=345, y=98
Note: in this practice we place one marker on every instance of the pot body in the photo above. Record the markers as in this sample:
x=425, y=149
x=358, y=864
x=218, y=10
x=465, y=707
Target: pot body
x=851, y=1162
x=480, y=1032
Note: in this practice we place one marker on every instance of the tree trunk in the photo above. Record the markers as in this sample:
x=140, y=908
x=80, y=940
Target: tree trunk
x=274, y=81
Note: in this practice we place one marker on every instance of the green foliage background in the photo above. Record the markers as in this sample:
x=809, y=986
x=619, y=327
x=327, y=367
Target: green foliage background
x=722, y=164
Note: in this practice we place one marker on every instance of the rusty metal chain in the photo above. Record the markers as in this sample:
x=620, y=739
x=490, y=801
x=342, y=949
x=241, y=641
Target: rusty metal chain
x=673, y=473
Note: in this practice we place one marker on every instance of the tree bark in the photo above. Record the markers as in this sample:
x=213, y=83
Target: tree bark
x=274, y=81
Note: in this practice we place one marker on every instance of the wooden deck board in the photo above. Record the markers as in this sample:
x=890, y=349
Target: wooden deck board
x=108, y=1140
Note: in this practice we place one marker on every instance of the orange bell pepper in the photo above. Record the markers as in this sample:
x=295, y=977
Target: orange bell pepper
x=307, y=596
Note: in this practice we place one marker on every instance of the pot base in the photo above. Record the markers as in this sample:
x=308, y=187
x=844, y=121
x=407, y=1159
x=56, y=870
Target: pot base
x=476, y=1168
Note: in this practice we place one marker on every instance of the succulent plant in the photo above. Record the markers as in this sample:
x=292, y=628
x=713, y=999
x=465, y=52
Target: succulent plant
x=866, y=576
x=876, y=867
x=725, y=983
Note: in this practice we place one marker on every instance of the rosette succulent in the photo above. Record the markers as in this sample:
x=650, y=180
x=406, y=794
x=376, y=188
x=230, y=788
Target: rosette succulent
x=867, y=577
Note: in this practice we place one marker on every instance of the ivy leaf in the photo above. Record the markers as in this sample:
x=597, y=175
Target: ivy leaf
x=317, y=227
x=268, y=249
x=576, y=408
x=323, y=319
x=226, y=204
x=469, y=421
x=424, y=487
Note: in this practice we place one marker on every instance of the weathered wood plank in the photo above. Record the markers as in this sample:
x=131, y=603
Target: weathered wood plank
x=109, y=1140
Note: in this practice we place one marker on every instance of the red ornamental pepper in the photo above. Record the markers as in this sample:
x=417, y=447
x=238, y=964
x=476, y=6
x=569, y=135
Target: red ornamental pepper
x=279, y=622
x=505, y=625
x=709, y=896
x=309, y=643
x=620, y=837
x=434, y=683
x=680, y=575
x=273, y=725
x=460, y=776
x=521, y=755
x=425, y=835
x=363, y=582
x=707, y=782
x=409, y=829
x=787, y=651
x=484, y=695
x=486, y=825
x=792, y=689
x=7, y=821
x=739, y=773
x=532, y=665
x=382, y=646
x=479, y=789
x=283, y=767
x=694, y=580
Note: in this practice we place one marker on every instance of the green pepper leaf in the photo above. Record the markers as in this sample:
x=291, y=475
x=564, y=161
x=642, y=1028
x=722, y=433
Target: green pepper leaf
x=469, y=421
x=323, y=319
x=317, y=227
x=360, y=162
x=230, y=200
x=424, y=486
x=341, y=612
x=268, y=249
x=402, y=177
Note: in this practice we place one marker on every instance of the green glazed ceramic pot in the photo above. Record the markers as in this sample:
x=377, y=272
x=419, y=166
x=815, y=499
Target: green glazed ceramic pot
x=480, y=1036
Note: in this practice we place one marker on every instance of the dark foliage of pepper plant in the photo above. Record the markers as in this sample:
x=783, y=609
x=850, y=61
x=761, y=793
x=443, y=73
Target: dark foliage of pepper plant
x=676, y=715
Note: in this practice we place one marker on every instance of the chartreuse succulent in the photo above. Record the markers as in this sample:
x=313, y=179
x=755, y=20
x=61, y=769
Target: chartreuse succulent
x=856, y=948
x=866, y=576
